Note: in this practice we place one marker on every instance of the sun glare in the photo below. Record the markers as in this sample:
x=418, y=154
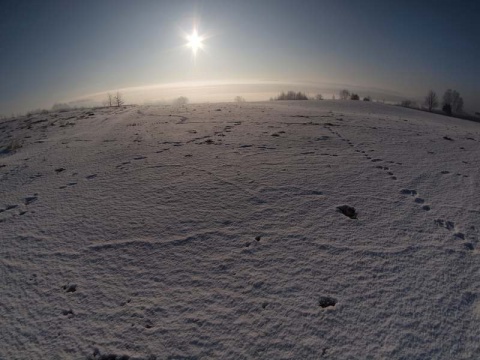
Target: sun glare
x=195, y=42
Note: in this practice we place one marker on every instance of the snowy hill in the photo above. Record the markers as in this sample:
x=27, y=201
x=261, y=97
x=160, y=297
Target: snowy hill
x=213, y=231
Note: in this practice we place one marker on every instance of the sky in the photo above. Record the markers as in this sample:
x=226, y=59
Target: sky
x=74, y=51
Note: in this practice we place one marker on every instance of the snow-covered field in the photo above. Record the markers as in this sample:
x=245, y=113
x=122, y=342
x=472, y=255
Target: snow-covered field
x=212, y=231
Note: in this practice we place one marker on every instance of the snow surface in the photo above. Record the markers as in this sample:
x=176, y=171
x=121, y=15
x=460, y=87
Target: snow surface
x=212, y=231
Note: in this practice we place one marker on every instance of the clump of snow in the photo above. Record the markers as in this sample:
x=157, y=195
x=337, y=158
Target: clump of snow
x=187, y=232
x=348, y=211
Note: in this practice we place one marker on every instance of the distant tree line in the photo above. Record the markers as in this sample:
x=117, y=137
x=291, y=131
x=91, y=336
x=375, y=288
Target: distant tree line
x=292, y=95
x=452, y=102
x=345, y=95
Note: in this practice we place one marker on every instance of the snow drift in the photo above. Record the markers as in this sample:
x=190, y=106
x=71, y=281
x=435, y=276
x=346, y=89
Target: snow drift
x=320, y=229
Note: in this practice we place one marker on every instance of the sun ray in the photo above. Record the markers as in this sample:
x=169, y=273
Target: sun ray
x=195, y=42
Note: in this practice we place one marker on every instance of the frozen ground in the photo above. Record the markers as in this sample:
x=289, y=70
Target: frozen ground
x=212, y=231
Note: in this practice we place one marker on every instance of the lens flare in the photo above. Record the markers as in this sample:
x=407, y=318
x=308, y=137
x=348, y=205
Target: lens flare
x=195, y=42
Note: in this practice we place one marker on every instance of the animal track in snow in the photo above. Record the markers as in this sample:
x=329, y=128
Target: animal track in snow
x=68, y=313
x=408, y=192
x=123, y=163
x=364, y=153
x=70, y=287
x=416, y=199
x=449, y=225
x=30, y=199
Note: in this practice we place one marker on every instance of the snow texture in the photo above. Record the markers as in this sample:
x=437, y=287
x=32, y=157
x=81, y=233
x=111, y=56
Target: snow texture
x=214, y=231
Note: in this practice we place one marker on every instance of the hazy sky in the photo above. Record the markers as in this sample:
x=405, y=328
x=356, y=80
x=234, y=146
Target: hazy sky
x=54, y=51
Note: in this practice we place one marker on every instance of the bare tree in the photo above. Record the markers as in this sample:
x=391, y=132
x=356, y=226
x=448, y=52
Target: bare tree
x=61, y=107
x=182, y=100
x=408, y=103
x=319, y=97
x=109, y=101
x=458, y=105
x=118, y=99
x=452, y=100
x=344, y=94
x=431, y=100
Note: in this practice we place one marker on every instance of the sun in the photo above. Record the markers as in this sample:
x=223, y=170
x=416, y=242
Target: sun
x=195, y=42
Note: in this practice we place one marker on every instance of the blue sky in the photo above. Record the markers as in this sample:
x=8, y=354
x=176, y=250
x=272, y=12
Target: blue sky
x=62, y=50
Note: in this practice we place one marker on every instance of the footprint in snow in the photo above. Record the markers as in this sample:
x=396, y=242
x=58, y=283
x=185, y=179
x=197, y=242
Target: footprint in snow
x=70, y=287
x=408, y=192
x=417, y=200
x=449, y=225
x=30, y=199
x=68, y=313
x=93, y=176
